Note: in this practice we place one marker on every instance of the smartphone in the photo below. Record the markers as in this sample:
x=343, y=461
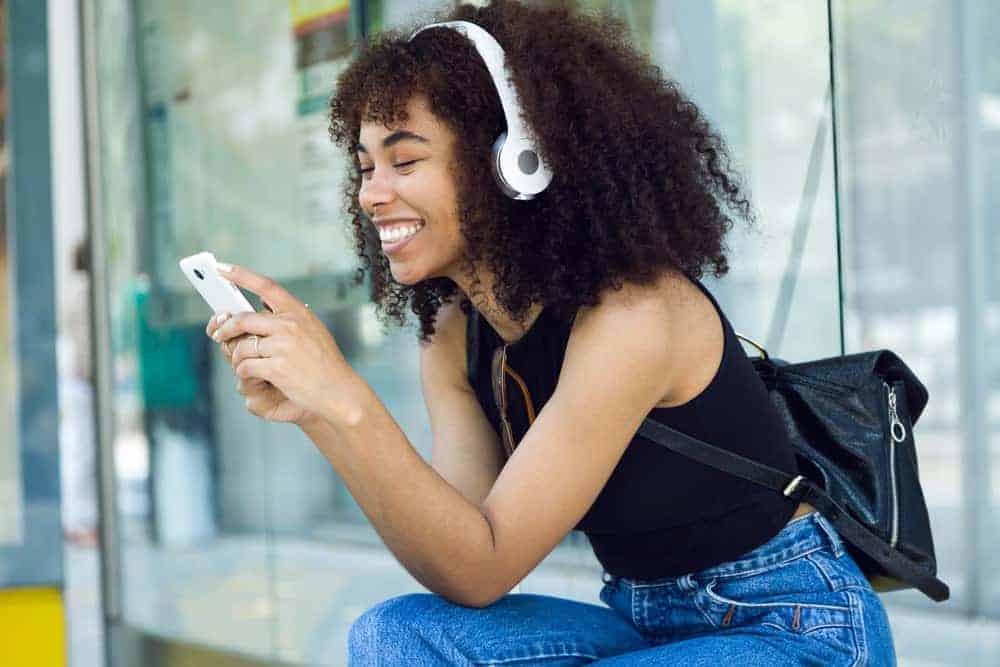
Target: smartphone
x=220, y=294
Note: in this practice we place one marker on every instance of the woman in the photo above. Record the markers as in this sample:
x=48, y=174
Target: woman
x=555, y=323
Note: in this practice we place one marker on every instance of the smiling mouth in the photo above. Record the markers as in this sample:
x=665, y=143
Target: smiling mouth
x=400, y=233
x=398, y=238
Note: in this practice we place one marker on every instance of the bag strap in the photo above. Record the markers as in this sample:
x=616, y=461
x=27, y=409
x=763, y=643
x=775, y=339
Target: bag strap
x=798, y=488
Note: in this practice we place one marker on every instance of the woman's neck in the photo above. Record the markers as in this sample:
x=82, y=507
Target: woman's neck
x=485, y=302
x=509, y=330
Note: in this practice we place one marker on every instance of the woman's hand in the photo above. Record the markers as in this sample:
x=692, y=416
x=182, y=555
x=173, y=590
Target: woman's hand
x=262, y=398
x=292, y=350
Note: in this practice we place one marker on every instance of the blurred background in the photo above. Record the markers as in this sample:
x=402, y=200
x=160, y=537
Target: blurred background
x=146, y=518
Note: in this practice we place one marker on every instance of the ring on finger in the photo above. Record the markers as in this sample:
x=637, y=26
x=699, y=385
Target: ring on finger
x=256, y=345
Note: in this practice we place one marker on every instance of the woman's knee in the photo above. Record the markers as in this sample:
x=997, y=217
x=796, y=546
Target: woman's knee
x=390, y=622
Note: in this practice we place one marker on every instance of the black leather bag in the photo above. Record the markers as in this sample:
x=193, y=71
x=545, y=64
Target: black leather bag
x=850, y=419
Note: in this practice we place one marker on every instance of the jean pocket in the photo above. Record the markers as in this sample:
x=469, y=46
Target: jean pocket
x=841, y=572
x=793, y=597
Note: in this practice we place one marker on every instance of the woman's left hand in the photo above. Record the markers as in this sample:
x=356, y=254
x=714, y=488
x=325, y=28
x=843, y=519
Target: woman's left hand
x=294, y=350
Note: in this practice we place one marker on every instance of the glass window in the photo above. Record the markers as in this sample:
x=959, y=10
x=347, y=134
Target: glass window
x=219, y=510
x=10, y=473
x=229, y=103
x=917, y=135
x=29, y=406
x=322, y=541
x=226, y=112
x=237, y=534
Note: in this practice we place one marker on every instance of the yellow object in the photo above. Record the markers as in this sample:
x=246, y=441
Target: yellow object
x=32, y=629
x=307, y=11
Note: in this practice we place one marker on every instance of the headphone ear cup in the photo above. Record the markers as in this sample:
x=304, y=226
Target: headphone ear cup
x=497, y=147
x=497, y=169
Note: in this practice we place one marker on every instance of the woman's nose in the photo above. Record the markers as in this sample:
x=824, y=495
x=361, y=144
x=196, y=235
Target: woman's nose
x=375, y=191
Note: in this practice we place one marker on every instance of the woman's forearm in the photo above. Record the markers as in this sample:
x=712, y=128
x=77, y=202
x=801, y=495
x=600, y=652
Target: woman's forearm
x=441, y=538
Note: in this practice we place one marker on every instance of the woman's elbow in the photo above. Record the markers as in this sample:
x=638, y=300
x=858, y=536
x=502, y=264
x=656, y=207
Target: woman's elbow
x=476, y=600
x=476, y=594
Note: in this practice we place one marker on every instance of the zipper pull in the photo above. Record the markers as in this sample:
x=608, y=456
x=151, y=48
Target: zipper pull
x=897, y=429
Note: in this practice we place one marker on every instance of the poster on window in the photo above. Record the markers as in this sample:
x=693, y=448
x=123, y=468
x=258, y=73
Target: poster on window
x=323, y=44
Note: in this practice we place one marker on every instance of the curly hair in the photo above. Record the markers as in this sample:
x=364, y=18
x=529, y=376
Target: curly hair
x=641, y=184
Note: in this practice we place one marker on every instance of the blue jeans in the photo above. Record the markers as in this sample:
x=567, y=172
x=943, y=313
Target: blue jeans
x=799, y=599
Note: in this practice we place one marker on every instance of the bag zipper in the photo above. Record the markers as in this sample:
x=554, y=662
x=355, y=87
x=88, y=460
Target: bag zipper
x=897, y=433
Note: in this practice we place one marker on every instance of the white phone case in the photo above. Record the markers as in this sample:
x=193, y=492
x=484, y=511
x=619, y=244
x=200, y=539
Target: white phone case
x=219, y=293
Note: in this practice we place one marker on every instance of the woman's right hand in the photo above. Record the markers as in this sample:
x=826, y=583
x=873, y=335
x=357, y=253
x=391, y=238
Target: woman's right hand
x=262, y=398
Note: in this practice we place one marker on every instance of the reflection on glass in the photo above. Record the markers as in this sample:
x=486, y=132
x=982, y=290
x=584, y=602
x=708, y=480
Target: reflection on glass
x=919, y=120
x=235, y=532
x=10, y=474
x=236, y=141
x=329, y=563
x=760, y=72
x=214, y=102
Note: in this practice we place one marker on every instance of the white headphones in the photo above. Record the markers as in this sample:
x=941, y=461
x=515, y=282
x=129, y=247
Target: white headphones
x=517, y=165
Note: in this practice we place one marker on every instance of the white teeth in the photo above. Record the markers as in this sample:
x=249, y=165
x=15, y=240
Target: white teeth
x=399, y=233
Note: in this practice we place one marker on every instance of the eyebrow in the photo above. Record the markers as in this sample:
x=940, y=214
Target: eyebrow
x=395, y=138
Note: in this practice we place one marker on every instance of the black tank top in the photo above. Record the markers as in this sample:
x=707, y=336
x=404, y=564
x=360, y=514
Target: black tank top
x=660, y=514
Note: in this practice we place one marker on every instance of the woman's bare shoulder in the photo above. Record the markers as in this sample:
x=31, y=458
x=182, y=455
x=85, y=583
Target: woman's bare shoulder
x=670, y=292
x=673, y=311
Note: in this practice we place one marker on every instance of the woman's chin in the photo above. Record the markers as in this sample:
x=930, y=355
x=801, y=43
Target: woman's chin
x=405, y=275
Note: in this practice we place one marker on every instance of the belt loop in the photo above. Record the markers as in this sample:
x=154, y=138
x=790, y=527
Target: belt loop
x=836, y=543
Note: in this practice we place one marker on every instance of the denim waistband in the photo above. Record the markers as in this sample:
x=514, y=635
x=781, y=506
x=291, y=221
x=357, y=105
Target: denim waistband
x=800, y=536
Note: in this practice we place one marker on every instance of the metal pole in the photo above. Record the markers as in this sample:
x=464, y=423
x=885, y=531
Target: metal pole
x=100, y=323
x=836, y=169
x=37, y=560
x=972, y=306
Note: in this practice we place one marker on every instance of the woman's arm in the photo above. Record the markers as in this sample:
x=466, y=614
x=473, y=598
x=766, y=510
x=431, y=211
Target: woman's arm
x=441, y=538
x=467, y=451
x=618, y=365
x=615, y=370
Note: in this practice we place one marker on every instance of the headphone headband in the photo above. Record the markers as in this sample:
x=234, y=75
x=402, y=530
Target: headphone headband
x=517, y=164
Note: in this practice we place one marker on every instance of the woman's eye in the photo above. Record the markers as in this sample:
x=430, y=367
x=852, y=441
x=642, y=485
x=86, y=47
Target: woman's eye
x=400, y=164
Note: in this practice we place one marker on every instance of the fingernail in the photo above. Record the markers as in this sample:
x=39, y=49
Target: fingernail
x=225, y=268
x=216, y=337
x=222, y=317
